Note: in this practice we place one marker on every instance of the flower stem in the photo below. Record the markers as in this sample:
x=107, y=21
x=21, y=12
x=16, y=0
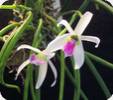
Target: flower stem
x=99, y=60
x=104, y=5
x=26, y=84
x=98, y=77
x=77, y=90
x=74, y=83
x=62, y=77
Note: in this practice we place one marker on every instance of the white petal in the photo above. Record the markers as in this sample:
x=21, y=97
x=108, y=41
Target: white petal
x=21, y=67
x=91, y=39
x=111, y=98
x=57, y=44
x=2, y=1
x=110, y=1
x=78, y=56
x=25, y=46
x=41, y=75
x=1, y=97
x=83, y=23
x=54, y=72
x=67, y=25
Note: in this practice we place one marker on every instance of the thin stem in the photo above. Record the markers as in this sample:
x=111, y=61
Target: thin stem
x=8, y=6
x=37, y=34
x=12, y=86
x=26, y=83
x=77, y=90
x=14, y=6
x=98, y=77
x=62, y=77
x=7, y=28
x=74, y=83
x=84, y=5
x=99, y=60
x=104, y=5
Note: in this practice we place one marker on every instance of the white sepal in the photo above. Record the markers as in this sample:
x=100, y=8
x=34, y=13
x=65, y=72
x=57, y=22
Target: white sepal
x=42, y=71
x=93, y=39
x=58, y=43
x=78, y=56
x=54, y=72
x=21, y=67
x=83, y=23
x=25, y=46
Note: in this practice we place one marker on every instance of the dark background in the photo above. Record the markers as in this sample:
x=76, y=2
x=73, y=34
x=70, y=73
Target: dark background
x=100, y=26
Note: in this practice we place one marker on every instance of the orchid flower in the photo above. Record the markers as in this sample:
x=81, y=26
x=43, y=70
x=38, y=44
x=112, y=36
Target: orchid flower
x=110, y=1
x=41, y=59
x=2, y=1
x=71, y=43
x=1, y=97
x=111, y=98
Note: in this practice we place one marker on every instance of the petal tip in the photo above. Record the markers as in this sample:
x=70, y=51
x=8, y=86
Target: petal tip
x=37, y=87
x=53, y=84
x=88, y=13
x=97, y=43
x=77, y=67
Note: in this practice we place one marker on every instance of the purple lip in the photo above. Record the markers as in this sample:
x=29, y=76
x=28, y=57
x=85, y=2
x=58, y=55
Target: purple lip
x=69, y=48
x=35, y=60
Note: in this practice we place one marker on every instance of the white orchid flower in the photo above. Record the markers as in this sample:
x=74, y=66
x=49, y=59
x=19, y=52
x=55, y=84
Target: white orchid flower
x=41, y=59
x=110, y=1
x=111, y=98
x=71, y=43
x=2, y=1
x=1, y=97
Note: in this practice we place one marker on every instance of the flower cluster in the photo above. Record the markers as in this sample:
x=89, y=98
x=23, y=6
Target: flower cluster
x=70, y=43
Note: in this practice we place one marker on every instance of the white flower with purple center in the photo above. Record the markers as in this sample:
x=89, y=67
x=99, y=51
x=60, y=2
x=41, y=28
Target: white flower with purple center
x=2, y=1
x=71, y=43
x=41, y=59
